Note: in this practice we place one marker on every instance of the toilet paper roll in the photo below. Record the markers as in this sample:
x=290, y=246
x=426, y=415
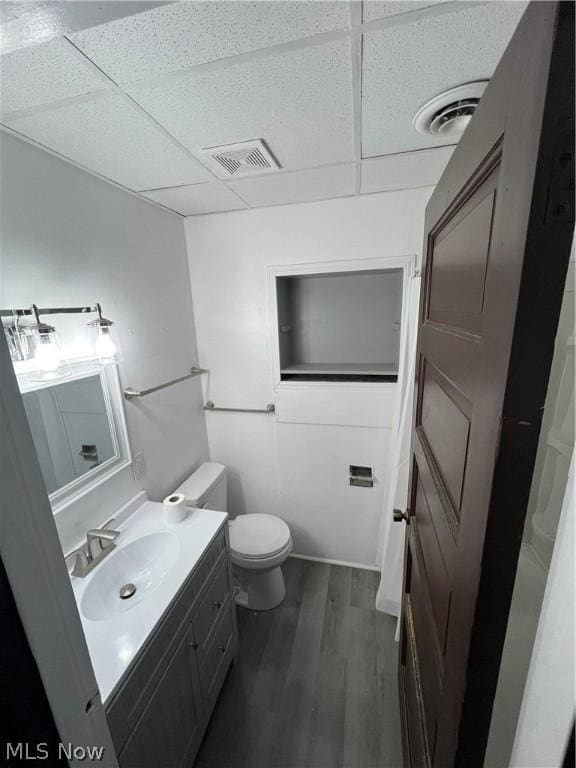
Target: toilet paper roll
x=175, y=508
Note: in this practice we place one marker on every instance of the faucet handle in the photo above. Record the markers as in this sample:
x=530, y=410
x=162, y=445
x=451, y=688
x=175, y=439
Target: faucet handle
x=108, y=541
x=99, y=539
x=104, y=534
x=80, y=561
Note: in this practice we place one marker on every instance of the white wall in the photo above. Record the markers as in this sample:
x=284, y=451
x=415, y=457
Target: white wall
x=346, y=319
x=295, y=464
x=71, y=239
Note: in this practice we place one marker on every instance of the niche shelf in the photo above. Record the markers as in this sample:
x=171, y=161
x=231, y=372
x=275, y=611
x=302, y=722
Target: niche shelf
x=339, y=326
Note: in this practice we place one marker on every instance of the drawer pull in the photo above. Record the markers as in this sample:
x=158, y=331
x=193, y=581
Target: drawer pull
x=194, y=645
x=217, y=605
x=222, y=648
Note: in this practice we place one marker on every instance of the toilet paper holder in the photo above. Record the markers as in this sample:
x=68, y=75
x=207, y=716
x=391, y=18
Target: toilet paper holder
x=361, y=476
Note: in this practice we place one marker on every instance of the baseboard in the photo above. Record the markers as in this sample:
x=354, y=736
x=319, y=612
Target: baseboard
x=328, y=560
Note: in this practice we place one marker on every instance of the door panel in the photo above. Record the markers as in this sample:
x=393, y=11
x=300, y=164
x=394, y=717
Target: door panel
x=488, y=315
x=418, y=738
x=445, y=429
x=437, y=573
x=457, y=287
x=426, y=646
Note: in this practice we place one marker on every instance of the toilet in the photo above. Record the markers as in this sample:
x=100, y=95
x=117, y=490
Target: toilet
x=259, y=544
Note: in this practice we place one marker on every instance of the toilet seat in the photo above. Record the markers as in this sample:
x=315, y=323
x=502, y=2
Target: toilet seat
x=256, y=537
x=256, y=564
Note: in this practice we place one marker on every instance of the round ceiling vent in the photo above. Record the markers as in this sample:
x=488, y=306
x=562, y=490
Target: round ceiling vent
x=448, y=114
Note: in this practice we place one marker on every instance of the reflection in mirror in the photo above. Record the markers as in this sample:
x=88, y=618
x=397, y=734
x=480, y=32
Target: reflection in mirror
x=71, y=429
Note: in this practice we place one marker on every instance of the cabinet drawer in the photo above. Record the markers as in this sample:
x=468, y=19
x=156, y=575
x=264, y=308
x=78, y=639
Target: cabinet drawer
x=213, y=605
x=218, y=656
x=128, y=703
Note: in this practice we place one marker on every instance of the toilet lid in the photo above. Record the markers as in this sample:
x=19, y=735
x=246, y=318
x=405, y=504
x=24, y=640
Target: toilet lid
x=258, y=535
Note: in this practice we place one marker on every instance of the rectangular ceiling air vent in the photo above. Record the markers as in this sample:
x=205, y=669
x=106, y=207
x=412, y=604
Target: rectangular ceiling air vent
x=245, y=158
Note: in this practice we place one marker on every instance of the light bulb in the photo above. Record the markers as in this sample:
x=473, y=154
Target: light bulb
x=104, y=346
x=47, y=357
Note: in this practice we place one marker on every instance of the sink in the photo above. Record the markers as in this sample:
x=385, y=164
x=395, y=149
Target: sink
x=133, y=571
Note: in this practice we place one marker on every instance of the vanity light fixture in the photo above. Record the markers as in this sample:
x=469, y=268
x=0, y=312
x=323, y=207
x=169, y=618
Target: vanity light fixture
x=19, y=340
x=106, y=345
x=37, y=343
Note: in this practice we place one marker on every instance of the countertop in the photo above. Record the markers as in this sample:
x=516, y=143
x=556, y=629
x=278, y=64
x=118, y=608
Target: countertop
x=114, y=642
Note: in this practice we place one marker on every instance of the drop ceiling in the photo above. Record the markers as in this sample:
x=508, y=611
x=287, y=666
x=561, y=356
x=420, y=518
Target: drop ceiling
x=331, y=87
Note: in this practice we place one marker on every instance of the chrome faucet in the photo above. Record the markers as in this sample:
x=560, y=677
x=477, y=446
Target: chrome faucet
x=99, y=544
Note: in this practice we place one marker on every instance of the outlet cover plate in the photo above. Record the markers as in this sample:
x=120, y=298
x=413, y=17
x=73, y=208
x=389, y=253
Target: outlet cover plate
x=139, y=465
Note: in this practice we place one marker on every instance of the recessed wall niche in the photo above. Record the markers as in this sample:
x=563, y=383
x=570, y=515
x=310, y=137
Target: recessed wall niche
x=339, y=326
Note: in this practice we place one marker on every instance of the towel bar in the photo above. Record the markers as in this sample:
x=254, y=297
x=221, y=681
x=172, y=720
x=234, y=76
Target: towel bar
x=129, y=393
x=270, y=408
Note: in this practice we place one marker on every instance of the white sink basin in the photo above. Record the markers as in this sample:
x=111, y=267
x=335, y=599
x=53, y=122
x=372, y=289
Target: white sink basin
x=142, y=565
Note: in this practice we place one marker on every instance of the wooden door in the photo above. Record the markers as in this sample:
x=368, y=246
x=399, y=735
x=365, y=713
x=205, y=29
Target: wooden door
x=497, y=240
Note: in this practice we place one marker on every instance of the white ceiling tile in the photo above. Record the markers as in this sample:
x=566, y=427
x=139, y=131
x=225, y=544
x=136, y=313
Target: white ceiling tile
x=29, y=23
x=381, y=9
x=199, y=198
x=405, y=171
x=108, y=135
x=182, y=35
x=407, y=65
x=45, y=73
x=300, y=103
x=298, y=186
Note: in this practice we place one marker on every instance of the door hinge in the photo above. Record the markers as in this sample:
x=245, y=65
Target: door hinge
x=560, y=199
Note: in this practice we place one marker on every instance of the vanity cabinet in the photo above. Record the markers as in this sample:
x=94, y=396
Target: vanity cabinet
x=161, y=710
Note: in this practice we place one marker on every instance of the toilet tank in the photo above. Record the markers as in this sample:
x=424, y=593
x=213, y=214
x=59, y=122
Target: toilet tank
x=206, y=487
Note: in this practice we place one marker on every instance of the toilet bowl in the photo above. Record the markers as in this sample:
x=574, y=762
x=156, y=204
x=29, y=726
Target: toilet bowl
x=259, y=544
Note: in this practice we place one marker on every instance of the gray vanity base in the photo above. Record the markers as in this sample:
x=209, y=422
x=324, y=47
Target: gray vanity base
x=160, y=712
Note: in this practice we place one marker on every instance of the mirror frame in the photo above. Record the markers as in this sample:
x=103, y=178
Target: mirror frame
x=114, y=402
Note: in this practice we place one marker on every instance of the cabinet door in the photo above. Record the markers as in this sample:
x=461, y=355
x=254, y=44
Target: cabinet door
x=169, y=730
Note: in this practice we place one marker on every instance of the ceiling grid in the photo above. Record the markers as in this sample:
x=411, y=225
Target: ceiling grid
x=331, y=87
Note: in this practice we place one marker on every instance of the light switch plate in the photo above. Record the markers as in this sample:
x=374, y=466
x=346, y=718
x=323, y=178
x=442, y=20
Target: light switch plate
x=139, y=465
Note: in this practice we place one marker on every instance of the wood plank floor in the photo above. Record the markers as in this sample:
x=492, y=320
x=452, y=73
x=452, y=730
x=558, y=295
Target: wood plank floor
x=314, y=685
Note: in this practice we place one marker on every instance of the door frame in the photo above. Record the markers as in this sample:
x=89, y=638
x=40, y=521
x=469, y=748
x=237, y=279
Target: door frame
x=546, y=718
x=35, y=567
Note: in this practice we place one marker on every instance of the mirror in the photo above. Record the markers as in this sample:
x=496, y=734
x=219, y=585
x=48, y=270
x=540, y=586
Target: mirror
x=70, y=429
x=77, y=428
